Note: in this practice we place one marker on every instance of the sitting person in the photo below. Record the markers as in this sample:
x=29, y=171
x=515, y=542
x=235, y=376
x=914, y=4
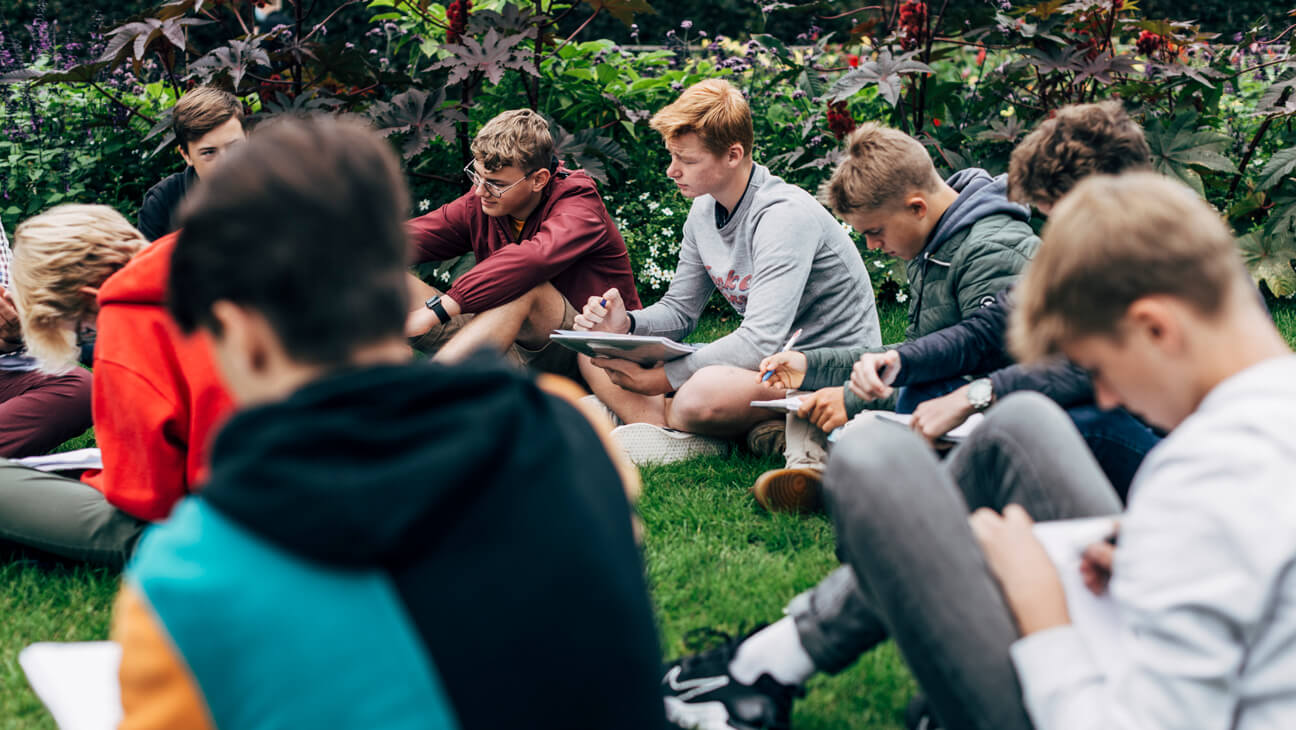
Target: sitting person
x=543, y=242
x=156, y=394
x=1200, y=575
x=963, y=242
x=932, y=371
x=38, y=411
x=207, y=122
x=382, y=544
x=772, y=251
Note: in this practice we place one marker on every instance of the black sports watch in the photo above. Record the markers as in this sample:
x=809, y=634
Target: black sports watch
x=434, y=304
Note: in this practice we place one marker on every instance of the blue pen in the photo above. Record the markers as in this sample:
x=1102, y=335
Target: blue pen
x=603, y=302
x=786, y=347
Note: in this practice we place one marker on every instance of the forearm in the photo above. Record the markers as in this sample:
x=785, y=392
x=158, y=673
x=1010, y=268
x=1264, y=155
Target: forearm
x=831, y=366
x=736, y=349
x=1063, y=382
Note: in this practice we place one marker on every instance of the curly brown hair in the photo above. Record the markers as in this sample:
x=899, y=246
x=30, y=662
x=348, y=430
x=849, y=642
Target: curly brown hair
x=1078, y=141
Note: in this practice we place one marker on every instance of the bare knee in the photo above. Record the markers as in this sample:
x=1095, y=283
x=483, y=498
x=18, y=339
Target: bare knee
x=706, y=402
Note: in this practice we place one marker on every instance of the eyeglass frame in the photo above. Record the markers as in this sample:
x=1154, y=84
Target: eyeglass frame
x=491, y=188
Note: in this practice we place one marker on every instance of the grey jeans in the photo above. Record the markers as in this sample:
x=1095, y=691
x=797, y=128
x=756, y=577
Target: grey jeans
x=63, y=516
x=913, y=570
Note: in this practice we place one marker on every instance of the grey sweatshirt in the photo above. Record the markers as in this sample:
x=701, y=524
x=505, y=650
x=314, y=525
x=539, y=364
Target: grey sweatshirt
x=782, y=262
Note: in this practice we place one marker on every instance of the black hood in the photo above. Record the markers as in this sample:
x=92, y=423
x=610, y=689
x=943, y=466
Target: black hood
x=368, y=464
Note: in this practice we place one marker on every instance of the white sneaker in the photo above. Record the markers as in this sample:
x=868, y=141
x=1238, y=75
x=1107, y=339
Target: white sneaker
x=645, y=443
x=592, y=403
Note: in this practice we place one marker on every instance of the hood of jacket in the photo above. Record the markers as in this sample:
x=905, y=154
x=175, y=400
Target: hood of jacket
x=143, y=280
x=980, y=195
x=364, y=467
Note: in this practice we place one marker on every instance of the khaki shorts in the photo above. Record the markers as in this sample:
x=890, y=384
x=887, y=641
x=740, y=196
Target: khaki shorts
x=549, y=358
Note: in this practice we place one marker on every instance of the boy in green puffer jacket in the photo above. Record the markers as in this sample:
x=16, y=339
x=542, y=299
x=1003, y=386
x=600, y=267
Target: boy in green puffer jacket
x=963, y=242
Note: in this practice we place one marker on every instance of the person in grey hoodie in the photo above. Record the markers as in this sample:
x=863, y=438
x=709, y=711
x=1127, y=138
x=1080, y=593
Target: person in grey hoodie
x=963, y=242
x=775, y=254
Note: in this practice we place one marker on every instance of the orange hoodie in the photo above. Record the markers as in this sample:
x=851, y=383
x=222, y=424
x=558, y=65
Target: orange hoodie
x=158, y=397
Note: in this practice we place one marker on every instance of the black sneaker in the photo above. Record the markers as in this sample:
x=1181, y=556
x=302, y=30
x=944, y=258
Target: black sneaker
x=700, y=694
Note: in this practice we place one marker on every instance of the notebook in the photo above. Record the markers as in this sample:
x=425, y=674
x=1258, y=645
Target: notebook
x=1095, y=618
x=78, y=460
x=647, y=350
x=77, y=682
x=791, y=405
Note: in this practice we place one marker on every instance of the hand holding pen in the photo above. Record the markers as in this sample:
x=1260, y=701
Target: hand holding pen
x=787, y=368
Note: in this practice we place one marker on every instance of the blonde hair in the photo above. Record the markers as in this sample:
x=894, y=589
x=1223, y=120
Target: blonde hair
x=715, y=110
x=55, y=255
x=882, y=167
x=518, y=138
x=1112, y=241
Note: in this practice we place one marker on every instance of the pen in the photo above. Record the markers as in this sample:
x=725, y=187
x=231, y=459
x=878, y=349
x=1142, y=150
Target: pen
x=786, y=347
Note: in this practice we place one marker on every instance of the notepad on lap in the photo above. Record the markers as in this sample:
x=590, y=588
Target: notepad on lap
x=78, y=460
x=1095, y=618
x=77, y=682
x=791, y=405
x=647, y=350
x=961, y=432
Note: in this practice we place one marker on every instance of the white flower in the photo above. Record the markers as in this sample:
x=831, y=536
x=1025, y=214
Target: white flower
x=901, y=297
x=667, y=211
x=424, y=205
x=878, y=264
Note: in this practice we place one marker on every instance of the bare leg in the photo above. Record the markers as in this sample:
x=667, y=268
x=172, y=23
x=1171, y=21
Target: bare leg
x=630, y=407
x=715, y=402
x=527, y=320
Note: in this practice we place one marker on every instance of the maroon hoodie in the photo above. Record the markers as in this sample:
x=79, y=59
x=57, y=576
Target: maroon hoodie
x=569, y=240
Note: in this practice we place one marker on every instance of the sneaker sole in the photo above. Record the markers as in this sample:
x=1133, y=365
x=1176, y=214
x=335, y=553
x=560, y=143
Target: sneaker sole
x=790, y=490
x=645, y=443
x=699, y=715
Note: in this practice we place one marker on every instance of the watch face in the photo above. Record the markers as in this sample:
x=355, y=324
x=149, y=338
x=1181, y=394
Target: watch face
x=980, y=392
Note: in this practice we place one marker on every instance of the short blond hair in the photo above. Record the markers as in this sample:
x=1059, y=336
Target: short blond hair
x=715, y=110
x=55, y=255
x=518, y=138
x=881, y=168
x=1112, y=241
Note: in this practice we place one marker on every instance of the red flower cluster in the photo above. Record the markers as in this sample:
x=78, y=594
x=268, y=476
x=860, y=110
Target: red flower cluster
x=852, y=60
x=274, y=86
x=1149, y=43
x=457, y=16
x=913, y=24
x=839, y=120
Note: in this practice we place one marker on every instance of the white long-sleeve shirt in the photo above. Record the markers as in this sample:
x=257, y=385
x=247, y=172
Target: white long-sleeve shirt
x=1203, y=580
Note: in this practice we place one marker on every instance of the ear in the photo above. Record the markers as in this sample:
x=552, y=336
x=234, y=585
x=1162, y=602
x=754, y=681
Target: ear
x=1156, y=320
x=90, y=291
x=245, y=337
x=735, y=154
x=541, y=179
x=181, y=149
x=916, y=204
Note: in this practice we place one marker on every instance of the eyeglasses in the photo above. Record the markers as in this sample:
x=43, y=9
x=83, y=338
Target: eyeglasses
x=489, y=188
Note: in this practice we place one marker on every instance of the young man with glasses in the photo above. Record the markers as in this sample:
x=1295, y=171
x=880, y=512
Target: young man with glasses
x=543, y=241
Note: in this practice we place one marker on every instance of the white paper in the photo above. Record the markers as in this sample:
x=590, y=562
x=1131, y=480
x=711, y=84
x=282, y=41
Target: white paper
x=1095, y=618
x=77, y=682
x=791, y=405
x=647, y=350
x=78, y=460
x=955, y=435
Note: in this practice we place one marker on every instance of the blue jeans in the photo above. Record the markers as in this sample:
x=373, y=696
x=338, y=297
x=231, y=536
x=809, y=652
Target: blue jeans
x=1118, y=440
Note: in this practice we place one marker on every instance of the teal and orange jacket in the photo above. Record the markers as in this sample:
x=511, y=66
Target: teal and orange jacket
x=414, y=546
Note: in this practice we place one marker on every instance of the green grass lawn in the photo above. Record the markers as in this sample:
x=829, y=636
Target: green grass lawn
x=714, y=559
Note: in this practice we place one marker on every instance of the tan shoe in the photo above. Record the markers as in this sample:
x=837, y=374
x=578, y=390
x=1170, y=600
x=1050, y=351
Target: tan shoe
x=767, y=438
x=789, y=490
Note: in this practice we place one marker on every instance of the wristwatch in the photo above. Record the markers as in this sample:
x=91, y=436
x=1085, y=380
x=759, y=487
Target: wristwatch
x=980, y=393
x=434, y=303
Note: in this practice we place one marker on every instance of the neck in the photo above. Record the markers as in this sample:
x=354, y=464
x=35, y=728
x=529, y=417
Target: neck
x=734, y=188
x=293, y=376
x=1245, y=336
x=939, y=202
